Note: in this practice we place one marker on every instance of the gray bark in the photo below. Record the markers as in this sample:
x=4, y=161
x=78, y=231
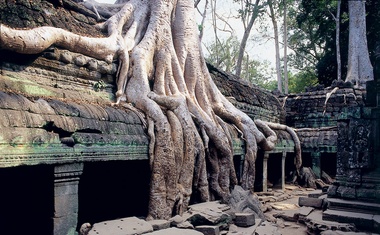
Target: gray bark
x=359, y=66
x=276, y=44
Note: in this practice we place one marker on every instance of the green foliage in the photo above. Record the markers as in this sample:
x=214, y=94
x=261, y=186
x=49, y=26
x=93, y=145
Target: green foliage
x=299, y=81
x=224, y=54
x=100, y=85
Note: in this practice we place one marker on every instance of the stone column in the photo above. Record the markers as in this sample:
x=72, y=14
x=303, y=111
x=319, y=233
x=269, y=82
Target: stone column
x=265, y=171
x=66, y=180
x=283, y=170
x=316, y=161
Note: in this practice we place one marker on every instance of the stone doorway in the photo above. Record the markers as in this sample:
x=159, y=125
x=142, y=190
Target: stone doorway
x=114, y=189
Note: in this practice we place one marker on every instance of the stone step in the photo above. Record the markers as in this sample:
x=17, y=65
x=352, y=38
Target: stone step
x=361, y=220
x=354, y=206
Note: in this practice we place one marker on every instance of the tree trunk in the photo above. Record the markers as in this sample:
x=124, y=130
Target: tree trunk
x=286, y=82
x=276, y=44
x=359, y=66
x=162, y=72
x=337, y=42
x=243, y=43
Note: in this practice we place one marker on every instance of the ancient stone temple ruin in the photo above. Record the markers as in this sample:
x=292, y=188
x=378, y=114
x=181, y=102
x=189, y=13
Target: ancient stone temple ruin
x=68, y=157
x=339, y=131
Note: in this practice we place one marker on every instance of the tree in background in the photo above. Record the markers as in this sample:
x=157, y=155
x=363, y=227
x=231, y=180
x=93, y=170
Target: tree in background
x=314, y=36
x=248, y=13
x=359, y=65
x=273, y=16
x=223, y=55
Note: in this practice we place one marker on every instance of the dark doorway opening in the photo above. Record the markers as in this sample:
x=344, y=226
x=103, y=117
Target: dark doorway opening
x=307, y=160
x=328, y=164
x=112, y=190
x=27, y=200
x=274, y=170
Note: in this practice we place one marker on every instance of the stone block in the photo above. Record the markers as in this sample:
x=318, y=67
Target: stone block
x=361, y=220
x=208, y=213
x=175, y=231
x=311, y=202
x=125, y=226
x=244, y=219
x=208, y=229
x=159, y=224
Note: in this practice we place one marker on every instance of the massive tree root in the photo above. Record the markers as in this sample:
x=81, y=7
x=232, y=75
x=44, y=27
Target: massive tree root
x=162, y=72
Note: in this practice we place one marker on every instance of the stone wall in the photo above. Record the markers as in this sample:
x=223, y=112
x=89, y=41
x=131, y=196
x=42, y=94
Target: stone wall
x=315, y=116
x=258, y=103
x=358, y=159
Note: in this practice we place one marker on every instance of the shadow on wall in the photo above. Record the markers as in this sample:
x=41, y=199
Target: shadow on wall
x=111, y=190
x=26, y=200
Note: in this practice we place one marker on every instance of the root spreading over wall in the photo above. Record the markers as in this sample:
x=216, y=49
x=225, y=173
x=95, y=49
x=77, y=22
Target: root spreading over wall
x=162, y=72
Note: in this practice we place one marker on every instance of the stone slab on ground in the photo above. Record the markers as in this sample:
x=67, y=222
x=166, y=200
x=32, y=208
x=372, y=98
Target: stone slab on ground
x=355, y=206
x=267, y=228
x=304, y=211
x=291, y=187
x=361, y=220
x=294, y=215
x=175, y=231
x=287, y=215
x=316, y=193
x=284, y=206
x=208, y=213
x=159, y=224
x=208, y=229
x=311, y=202
x=315, y=223
x=124, y=226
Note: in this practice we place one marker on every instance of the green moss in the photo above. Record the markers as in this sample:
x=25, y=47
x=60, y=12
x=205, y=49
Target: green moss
x=26, y=86
x=36, y=90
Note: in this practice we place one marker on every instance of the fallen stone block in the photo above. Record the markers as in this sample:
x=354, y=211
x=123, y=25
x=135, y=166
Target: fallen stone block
x=244, y=219
x=310, y=202
x=316, y=193
x=125, y=226
x=235, y=230
x=208, y=213
x=284, y=206
x=159, y=224
x=303, y=212
x=208, y=229
x=175, y=231
x=291, y=187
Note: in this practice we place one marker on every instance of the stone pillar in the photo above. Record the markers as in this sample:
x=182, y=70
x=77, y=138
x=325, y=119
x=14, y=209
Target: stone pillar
x=316, y=163
x=66, y=180
x=283, y=170
x=265, y=171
